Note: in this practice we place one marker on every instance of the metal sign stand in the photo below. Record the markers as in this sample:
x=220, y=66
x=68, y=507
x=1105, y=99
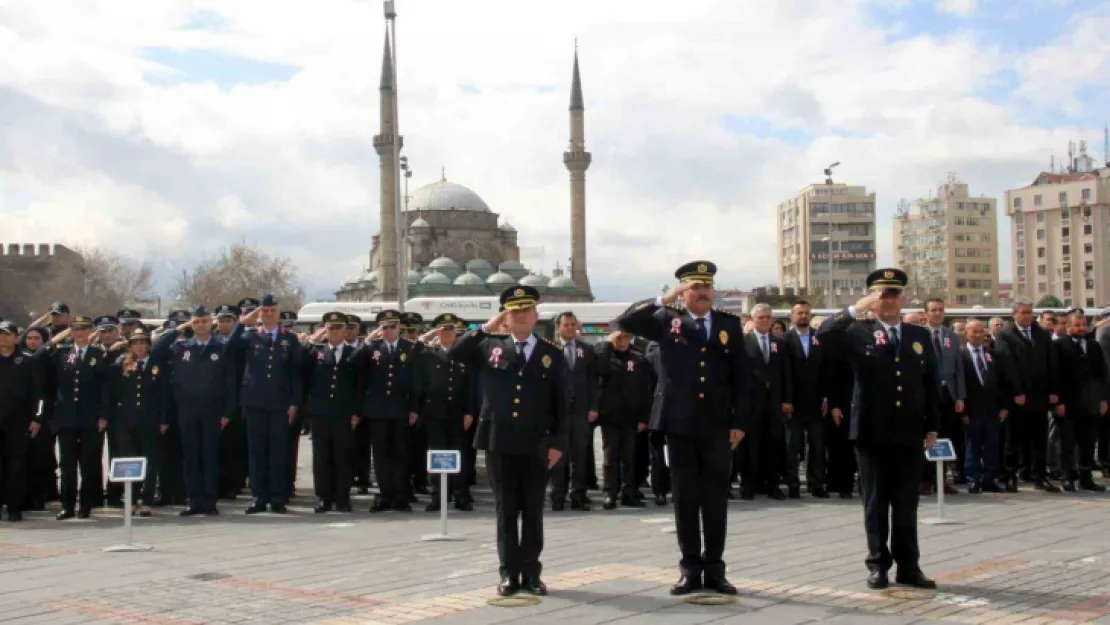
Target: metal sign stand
x=128, y=471
x=445, y=463
x=939, y=462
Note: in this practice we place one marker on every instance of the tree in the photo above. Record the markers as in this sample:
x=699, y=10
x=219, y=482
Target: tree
x=99, y=282
x=240, y=271
x=1050, y=301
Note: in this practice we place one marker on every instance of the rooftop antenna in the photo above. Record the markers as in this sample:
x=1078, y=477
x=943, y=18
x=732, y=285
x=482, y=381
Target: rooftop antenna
x=1071, y=157
x=1052, y=164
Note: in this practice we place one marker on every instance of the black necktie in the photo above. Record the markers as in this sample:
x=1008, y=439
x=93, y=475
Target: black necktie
x=700, y=321
x=893, y=333
x=981, y=365
x=936, y=341
x=139, y=367
x=521, y=359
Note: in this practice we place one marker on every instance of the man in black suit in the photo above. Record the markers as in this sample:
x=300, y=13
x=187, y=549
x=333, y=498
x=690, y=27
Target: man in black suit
x=894, y=411
x=581, y=377
x=984, y=409
x=1025, y=350
x=702, y=407
x=810, y=392
x=521, y=427
x=1083, y=401
x=772, y=405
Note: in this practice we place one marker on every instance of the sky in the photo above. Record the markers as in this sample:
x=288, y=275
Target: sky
x=165, y=130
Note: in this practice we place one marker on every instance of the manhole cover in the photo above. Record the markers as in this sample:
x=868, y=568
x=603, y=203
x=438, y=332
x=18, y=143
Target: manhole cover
x=515, y=601
x=208, y=577
x=709, y=599
x=908, y=594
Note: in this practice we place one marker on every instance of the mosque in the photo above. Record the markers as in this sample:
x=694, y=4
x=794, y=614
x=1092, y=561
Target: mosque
x=454, y=243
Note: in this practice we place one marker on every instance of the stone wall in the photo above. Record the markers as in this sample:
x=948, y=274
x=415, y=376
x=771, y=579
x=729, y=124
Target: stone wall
x=26, y=272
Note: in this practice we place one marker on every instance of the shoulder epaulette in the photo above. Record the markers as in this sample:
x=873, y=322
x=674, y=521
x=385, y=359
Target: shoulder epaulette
x=551, y=343
x=675, y=308
x=498, y=335
x=725, y=313
x=99, y=347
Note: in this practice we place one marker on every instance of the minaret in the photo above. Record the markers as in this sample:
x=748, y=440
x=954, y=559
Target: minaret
x=383, y=144
x=577, y=160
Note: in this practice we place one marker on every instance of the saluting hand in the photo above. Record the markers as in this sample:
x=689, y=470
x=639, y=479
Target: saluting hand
x=412, y=418
x=553, y=456
x=1103, y=406
x=591, y=416
x=162, y=428
x=1061, y=410
x=735, y=437
x=292, y=414
x=676, y=292
x=1002, y=414
x=495, y=322
x=868, y=302
x=354, y=421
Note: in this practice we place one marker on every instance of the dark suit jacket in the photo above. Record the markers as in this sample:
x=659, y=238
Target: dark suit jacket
x=626, y=387
x=385, y=381
x=443, y=386
x=895, y=396
x=328, y=386
x=582, y=380
x=138, y=399
x=986, y=399
x=704, y=385
x=1030, y=368
x=1083, y=382
x=810, y=376
x=80, y=385
x=772, y=381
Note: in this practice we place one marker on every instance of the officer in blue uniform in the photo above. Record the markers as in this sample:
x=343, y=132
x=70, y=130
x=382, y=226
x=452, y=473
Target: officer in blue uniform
x=269, y=395
x=171, y=472
x=331, y=406
x=138, y=411
x=521, y=427
x=702, y=406
x=411, y=326
x=233, y=438
x=21, y=418
x=108, y=337
x=78, y=373
x=895, y=413
x=389, y=407
x=204, y=391
x=299, y=426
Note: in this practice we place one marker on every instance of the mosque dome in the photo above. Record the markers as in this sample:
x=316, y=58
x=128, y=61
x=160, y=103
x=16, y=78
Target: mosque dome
x=435, y=278
x=445, y=266
x=480, y=266
x=561, y=283
x=514, y=268
x=500, y=279
x=420, y=223
x=506, y=227
x=446, y=196
x=414, y=277
x=470, y=279
x=536, y=281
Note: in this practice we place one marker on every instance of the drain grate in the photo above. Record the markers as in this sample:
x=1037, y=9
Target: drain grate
x=208, y=577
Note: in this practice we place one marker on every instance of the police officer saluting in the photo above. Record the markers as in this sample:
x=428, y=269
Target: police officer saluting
x=233, y=437
x=702, y=404
x=443, y=399
x=411, y=324
x=20, y=417
x=895, y=410
x=522, y=428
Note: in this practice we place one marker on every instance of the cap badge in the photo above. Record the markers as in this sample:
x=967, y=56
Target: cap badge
x=702, y=268
x=518, y=293
x=889, y=275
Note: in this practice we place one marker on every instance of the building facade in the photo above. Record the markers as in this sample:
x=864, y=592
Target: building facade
x=27, y=272
x=948, y=246
x=1060, y=233
x=823, y=219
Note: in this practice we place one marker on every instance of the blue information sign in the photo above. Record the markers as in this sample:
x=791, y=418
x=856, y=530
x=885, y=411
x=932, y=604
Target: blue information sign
x=127, y=470
x=941, y=450
x=444, y=461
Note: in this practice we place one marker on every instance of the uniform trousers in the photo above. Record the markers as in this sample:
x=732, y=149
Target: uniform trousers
x=518, y=484
x=233, y=456
x=80, y=449
x=448, y=434
x=761, y=452
x=294, y=435
x=1026, y=442
x=200, y=446
x=643, y=457
x=700, y=469
x=981, y=454
x=842, y=457
x=580, y=446
x=332, y=439
x=799, y=429
x=360, y=453
x=140, y=441
x=389, y=438
x=171, y=475
x=114, y=490
x=14, y=441
x=418, y=454
x=889, y=476
x=268, y=451
x=952, y=428
x=42, y=468
x=619, y=445
x=660, y=472
x=1104, y=443
x=1077, y=432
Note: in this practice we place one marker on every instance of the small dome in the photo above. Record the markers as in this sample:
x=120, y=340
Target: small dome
x=514, y=268
x=369, y=278
x=500, y=279
x=537, y=281
x=446, y=266
x=435, y=277
x=414, y=276
x=420, y=223
x=506, y=227
x=483, y=268
x=469, y=279
x=445, y=196
x=561, y=283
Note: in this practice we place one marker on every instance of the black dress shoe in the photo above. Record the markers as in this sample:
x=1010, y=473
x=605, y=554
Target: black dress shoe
x=362, y=490
x=610, y=503
x=1011, y=486
x=776, y=494
x=1069, y=486
x=211, y=511
x=747, y=494
x=401, y=506
x=15, y=516
x=255, y=508
x=686, y=585
x=819, y=493
x=878, y=580
x=411, y=498
x=64, y=514
x=464, y=504
x=533, y=586
x=343, y=506
x=278, y=508
x=1046, y=485
x=720, y=585
x=846, y=495
x=661, y=500
x=190, y=511
x=629, y=501
x=82, y=513
x=916, y=579
x=37, y=505
x=380, y=505
x=580, y=504
x=322, y=507
x=990, y=487
x=558, y=505
x=507, y=587
x=432, y=507
x=795, y=492
x=1025, y=475
x=974, y=489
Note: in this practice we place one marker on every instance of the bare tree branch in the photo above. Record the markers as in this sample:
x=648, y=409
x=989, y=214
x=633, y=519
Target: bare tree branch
x=241, y=270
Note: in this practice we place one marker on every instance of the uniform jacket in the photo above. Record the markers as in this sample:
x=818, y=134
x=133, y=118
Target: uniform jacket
x=1102, y=337
x=950, y=365
x=443, y=386
x=24, y=389
x=581, y=379
x=329, y=385
x=80, y=385
x=772, y=381
x=385, y=381
x=523, y=410
x=272, y=368
x=704, y=384
x=986, y=399
x=625, y=380
x=895, y=395
x=1083, y=381
x=200, y=375
x=1030, y=367
x=138, y=398
x=809, y=374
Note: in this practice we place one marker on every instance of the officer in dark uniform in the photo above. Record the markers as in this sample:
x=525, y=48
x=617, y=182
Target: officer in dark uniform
x=270, y=395
x=702, y=406
x=299, y=426
x=660, y=472
x=411, y=325
x=360, y=443
x=624, y=407
x=389, y=406
x=59, y=318
x=77, y=371
x=582, y=396
x=233, y=438
x=331, y=406
x=895, y=411
x=204, y=391
x=171, y=469
x=443, y=399
x=137, y=410
x=521, y=427
x=354, y=329
x=21, y=417
x=129, y=321
x=108, y=337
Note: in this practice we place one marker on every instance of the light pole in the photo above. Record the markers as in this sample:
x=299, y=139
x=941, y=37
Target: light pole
x=828, y=187
x=402, y=273
x=402, y=250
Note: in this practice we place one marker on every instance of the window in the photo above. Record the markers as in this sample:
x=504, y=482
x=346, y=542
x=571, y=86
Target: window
x=1067, y=250
x=1018, y=218
x=1067, y=285
x=961, y=299
x=1063, y=198
x=1090, y=284
x=1021, y=256
x=1087, y=229
x=1064, y=214
x=1040, y=235
x=1086, y=194
x=1088, y=266
x=1017, y=203
x=1066, y=268
x=1086, y=212
x=1090, y=302
x=1041, y=287
x=961, y=284
x=1065, y=232
x=961, y=268
x=1037, y=202
x=1021, y=271
x=959, y=220
x=1042, y=270
x=1040, y=252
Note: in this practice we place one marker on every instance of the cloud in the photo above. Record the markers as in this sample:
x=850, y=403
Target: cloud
x=957, y=7
x=173, y=128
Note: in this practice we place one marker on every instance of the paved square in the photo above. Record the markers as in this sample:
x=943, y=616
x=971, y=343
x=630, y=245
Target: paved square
x=1027, y=558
